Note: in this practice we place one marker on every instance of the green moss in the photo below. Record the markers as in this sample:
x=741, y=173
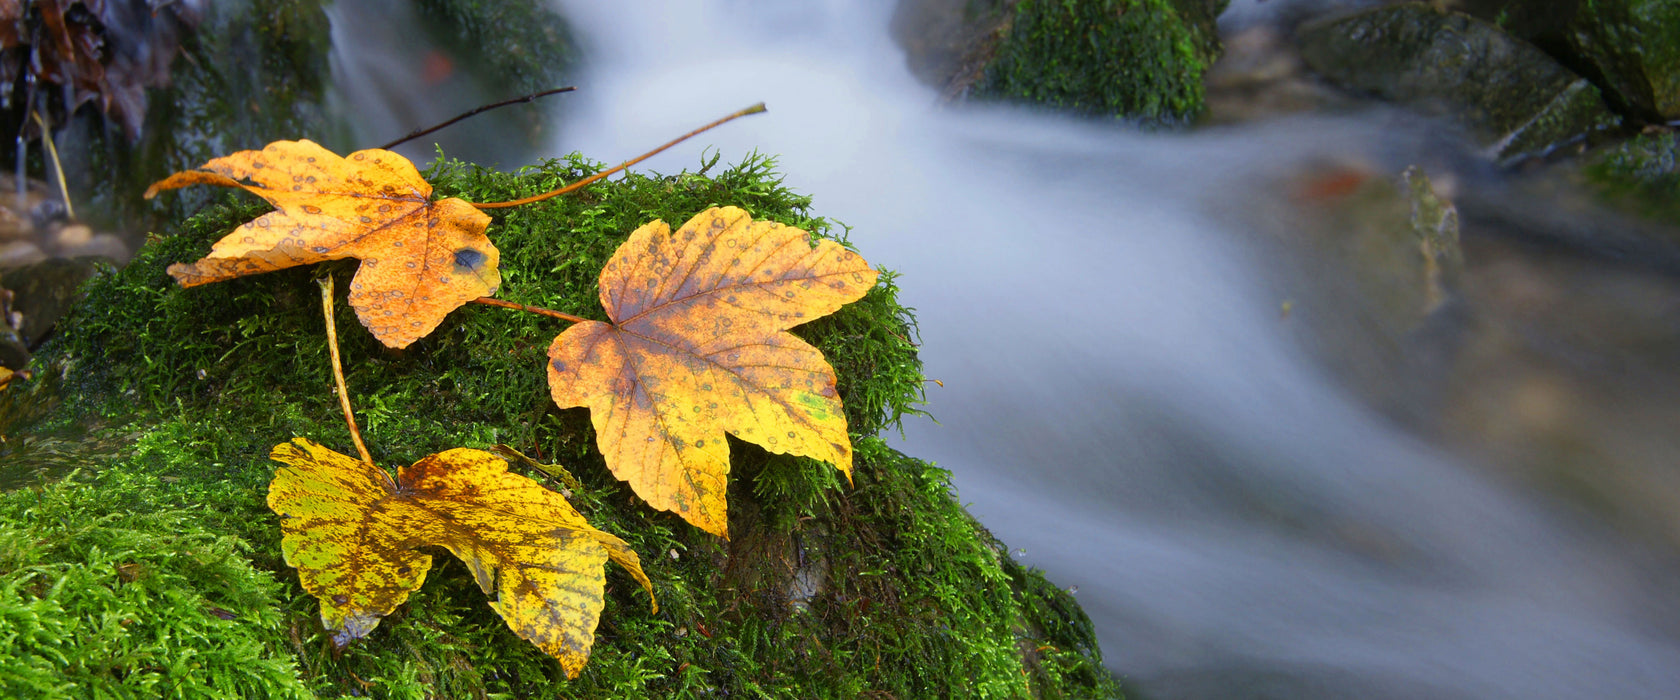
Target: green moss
x=102, y=594
x=1132, y=59
x=884, y=588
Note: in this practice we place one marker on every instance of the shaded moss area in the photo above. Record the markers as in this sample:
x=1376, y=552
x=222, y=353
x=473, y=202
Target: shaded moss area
x=884, y=588
x=1131, y=59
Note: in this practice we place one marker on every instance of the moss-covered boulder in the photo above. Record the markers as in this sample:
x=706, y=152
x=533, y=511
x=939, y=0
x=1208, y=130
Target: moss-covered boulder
x=1139, y=60
x=154, y=569
x=1516, y=100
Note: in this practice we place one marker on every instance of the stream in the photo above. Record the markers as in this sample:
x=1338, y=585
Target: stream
x=1121, y=403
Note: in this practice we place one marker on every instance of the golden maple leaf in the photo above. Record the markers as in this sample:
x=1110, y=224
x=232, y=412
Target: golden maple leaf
x=420, y=259
x=352, y=534
x=698, y=347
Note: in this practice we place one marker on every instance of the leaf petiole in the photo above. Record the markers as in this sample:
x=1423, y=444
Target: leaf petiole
x=551, y=313
x=755, y=109
x=338, y=370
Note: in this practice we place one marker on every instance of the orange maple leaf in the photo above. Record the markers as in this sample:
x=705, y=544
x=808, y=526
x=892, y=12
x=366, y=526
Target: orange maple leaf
x=420, y=259
x=354, y=536
x=698, y=347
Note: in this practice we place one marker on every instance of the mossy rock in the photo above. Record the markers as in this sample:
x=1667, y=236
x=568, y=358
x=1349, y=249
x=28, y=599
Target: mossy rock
x=1516, y=101
x=1137, y=60
x=168, y=400
x=1640, y=175
x=1630, y=49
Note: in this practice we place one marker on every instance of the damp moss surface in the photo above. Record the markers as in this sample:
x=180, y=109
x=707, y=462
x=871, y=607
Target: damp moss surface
x=137, y=466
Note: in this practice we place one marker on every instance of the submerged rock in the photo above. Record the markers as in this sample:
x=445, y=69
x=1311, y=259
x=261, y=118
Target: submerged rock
x=1517, y=101
x=1260, y=74
x=883, y=587
x=1139, y=60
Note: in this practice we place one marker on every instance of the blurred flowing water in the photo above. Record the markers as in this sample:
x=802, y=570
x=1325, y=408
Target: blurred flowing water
x=1119, y=402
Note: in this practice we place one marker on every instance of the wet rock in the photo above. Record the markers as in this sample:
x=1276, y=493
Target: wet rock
x=103, y=245
x=1517, y=101
x=1629, y=48
x=1139, y=60
x=72, y=237
x=24, y=216
x=1375, y=295
x=1635, y=46
x=1434, y=224
x=44, y=291
x=1641, y=175
x=1260, y=75
x=12, y=226
x=1551, y=360
x=14, y=354
x=18, y=253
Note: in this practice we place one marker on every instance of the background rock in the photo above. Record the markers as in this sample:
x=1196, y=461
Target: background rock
x=1139, y=60
x=1516, y=100
x=1629, y=48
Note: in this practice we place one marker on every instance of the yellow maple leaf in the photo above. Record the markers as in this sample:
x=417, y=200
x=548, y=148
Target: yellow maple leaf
x=352, y=534
x=697, y=346
x=420, y=259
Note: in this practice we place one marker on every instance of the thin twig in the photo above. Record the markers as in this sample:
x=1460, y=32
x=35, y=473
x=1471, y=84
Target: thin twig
x=755, y=109
x=491, y=301
x=52, y=150
x=338, y=368
x=422, y=132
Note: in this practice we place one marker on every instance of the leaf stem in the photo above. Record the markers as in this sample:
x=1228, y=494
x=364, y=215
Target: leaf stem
x=417, y=133
x=338, y=368
x=52, y=150
x=755, y=109
x=491, y=301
